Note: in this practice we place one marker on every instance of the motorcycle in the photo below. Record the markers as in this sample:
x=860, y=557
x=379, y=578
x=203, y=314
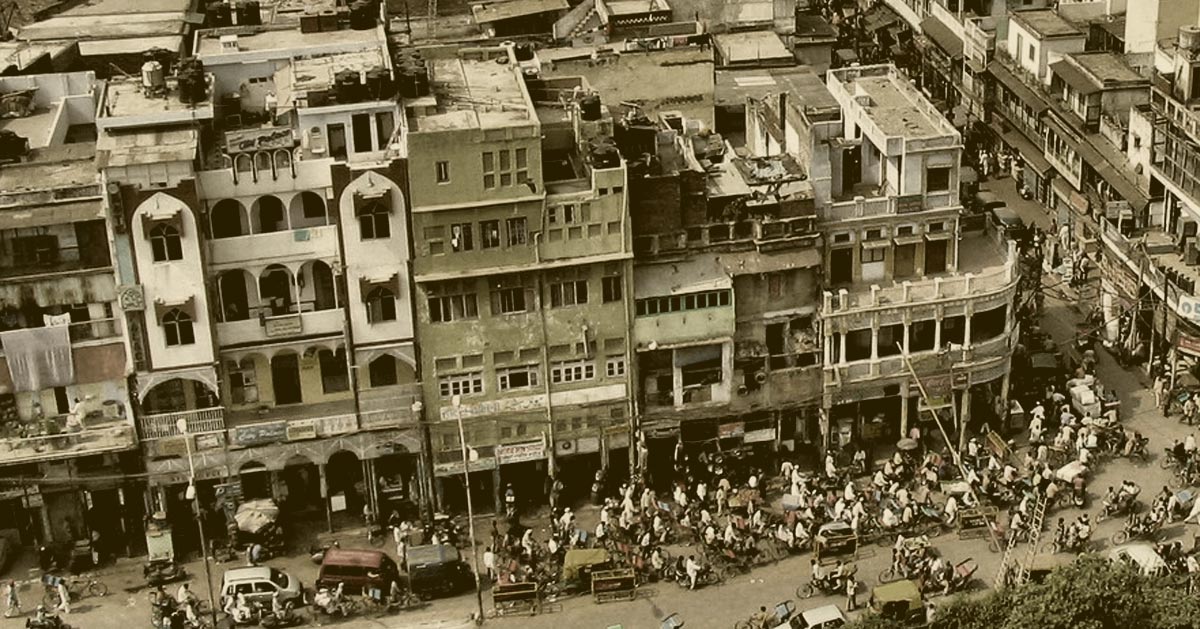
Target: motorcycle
x=317, y=553
x=1124, y=505
x=1079, y=492
x=1137, y=528
x=50, y=621
x=706, y=576
x=288, y=618
x=1138, y=450
x=163, y=571
x=1069, y=541
x=828, y=586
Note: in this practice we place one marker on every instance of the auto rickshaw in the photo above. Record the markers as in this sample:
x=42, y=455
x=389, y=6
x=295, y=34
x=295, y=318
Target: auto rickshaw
x=899, y=601
x=1040, y=566
x=834, y=541
x=437, y=570
x=161, y=566
x=577, y=568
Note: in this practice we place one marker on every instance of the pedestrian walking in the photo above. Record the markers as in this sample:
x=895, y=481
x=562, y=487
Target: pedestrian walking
x=64, y=597
x=1160, y=392
x=489, y=563
x=851, y=594
x=12, y=602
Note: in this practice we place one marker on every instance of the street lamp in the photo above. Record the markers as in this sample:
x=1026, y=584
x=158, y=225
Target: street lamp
x=182, y=426
x=456, y=401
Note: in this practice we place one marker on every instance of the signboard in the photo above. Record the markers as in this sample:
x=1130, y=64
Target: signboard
x=521, y=452
x=210, y=441
x=909, y=203
x=1189, y=307
x=456, y=467
x=262, y=139
x=1188, y=344
x=301, y=429
x=1114, y=209
x=759, y=436
x=337, y=425
x=731, y=430
x=170, y=446
x=285, y=325
x=493, y=407
x=584, y=445
x=260, y=434
x=962, y=379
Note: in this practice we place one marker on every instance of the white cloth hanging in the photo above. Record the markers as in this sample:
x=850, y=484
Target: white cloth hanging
x=39, y=358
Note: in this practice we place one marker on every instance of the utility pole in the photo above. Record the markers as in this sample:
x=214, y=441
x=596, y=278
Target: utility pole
x=182, y=426
x=462, y=442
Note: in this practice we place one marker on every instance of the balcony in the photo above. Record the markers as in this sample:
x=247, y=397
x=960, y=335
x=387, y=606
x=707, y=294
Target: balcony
x=161, y=425
x=983, y=272
x=666, y=329
x=877, y=206
x=94, y=439
x=753, y=234
x=294, y=176
x=269, y=328
x=311, y=242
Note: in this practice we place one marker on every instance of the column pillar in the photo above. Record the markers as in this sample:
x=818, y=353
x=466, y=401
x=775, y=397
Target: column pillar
x=325, y=496
x=874, y=340
x=967, y=326
x=842, y=348
x=904, y=407
x=497, y=490
x=937, y=332
x=964, y=418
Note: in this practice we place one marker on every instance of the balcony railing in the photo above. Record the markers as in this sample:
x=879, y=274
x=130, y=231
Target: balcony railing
x=160, y=425
x=867, y=207
x=939, y=288
x=764, y=234
x=93, y=439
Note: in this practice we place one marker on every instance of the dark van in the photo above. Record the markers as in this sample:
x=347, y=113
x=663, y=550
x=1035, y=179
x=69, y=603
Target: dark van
x=435, y=571
x=360, y=570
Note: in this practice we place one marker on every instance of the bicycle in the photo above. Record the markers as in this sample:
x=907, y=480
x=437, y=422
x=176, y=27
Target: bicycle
x=77, y=588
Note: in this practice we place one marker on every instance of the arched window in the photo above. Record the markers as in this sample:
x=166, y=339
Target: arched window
x=165, y=244
x=381, y=305
x=382, y=371
x=374, y=221
x=177, y=326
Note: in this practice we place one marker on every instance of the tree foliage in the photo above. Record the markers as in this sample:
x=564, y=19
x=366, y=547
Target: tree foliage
x=1091, y=593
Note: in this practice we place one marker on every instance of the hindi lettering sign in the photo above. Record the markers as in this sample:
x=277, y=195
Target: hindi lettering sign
x=299, y=429
x=521, y=452
x=260, y=434
x=284, y=325
x=1188, y=344
x=456, y=467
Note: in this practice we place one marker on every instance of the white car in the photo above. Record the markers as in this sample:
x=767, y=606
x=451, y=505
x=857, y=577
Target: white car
x=1141, y=556
x=826, y=617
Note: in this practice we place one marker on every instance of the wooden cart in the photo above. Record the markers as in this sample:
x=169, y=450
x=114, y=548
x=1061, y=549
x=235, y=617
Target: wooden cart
x=974, y=523
x=614, y=585
x=516, y=598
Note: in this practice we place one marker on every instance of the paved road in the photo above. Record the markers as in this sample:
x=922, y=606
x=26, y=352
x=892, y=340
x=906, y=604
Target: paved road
x=722, y=606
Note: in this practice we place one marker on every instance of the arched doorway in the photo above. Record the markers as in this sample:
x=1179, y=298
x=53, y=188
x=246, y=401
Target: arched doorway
x=256, y=481
x=268, y=215
x=275, y=290
x=344, y=475
x=316, y=286
x=302, y=482
x=285, y=378
x=239, y=299
x=228, y=219
x=307, y=209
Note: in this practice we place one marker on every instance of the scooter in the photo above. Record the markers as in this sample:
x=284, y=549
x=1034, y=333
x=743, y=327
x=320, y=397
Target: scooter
x=164, y=571
x=51, y=621
x=288, y=618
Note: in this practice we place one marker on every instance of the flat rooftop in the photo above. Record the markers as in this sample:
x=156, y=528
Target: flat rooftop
x=19, y=55
x=128, y=7
x=106, y=26
x=318, y=73
x=634, y=7
x=891, y=102
x=1107, y=66
x=510, y=9
x=673, y=79
x=473, y=93
x=751, y=46
x=126, y=97
x=1045, y=23
x=285, y=39
x=146, y=147
x=63, y=166
x=803, y=87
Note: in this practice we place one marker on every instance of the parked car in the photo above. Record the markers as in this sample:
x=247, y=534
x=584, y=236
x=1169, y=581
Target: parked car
x=437, y=570
x=355, y=569
x=260, y=583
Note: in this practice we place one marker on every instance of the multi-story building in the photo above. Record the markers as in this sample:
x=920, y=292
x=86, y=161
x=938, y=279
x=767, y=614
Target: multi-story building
x=905, y=283
x=264, y=244
x=522, y=266
x=65, y=406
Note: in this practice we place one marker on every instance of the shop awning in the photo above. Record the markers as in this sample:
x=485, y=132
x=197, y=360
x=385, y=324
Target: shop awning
x=1030, y=152
x=943, y=37
x=1019, y=89
x=1075, y=77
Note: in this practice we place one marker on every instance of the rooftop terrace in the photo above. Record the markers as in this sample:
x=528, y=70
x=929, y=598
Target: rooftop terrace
x=1046, y=23
x=285, y=39
x=473, y=91
x=888, y=100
